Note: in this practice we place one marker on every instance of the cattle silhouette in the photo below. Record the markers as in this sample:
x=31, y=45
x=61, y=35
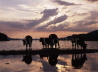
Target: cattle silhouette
x=27, y=59
x=78, y=60
x=50, y=41
x=45, y=42
x=53, y=59
x=54, y=40
x=28, y=41
x=77, y=41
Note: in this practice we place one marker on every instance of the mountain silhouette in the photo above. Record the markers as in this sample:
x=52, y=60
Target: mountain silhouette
x=3, y=37
x=91, y=36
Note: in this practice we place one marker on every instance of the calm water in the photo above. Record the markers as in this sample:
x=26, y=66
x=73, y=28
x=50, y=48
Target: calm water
x=13, y=63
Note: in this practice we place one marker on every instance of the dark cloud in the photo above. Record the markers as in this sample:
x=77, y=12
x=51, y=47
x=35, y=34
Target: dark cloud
x=94, y=15
x=52, y=28
x=82, y=26
x=12, y=24
x=86, y=23
x=46, y=14
x=58, y=20
x=92, y=0
x=49, y=12
x=63, y=3
x=78, y=29
x=31, y=23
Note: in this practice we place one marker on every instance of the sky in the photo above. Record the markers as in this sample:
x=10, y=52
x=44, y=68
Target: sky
x=40, y=18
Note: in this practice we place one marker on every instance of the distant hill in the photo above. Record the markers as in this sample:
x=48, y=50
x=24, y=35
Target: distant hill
x=3, y=37
x=91, y=36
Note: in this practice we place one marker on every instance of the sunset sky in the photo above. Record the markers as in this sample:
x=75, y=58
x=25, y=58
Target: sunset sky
x=39, y=18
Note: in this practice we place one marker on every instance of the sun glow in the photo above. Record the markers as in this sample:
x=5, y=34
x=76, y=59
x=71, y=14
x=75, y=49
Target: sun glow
x=52, y=18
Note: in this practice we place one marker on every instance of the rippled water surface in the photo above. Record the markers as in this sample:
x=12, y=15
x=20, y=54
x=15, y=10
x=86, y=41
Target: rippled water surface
x=15, y=63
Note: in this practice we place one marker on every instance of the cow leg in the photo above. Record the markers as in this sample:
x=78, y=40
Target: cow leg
x=47, y=45
x=72, y=45
x=77, y=46
x=51, y=46
x=26, y=46
x=55, y=45
x=58, y=45
x=43, y=46
x=82, y=48
x=29, y=46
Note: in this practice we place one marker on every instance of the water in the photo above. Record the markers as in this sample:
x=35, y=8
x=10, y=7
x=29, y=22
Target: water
x=14, y=63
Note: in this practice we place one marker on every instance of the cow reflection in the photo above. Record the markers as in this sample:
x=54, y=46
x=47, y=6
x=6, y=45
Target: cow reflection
x=78, y=60
x=52, y=59
x=27, y=58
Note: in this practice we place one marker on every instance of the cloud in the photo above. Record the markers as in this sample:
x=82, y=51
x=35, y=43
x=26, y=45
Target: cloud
x=63, y=3
x=83, y=26
x=58, y=20
x=12, y=24
x=54, y=28
x=94, y=15
x=46, y=14
x=31, y=23
x=86, y=23
x=81, y=14
x=80, y=26
x=12, y=3
x=92, y=0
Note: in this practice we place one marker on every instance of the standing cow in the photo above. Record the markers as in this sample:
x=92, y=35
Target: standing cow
x=45, y=42
x=54, y=40
x=28, y=41
x=77, y=41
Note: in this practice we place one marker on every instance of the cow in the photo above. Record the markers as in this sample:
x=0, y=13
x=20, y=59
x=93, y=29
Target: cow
x=77, y=41
x=28, y=41
x=45, y=42
x=54, y=40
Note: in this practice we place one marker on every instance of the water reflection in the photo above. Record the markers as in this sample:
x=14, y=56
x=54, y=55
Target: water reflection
x=57, y=63
x=63, y=63
x=27, y=57
x=52, y=58
x=78, y=60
